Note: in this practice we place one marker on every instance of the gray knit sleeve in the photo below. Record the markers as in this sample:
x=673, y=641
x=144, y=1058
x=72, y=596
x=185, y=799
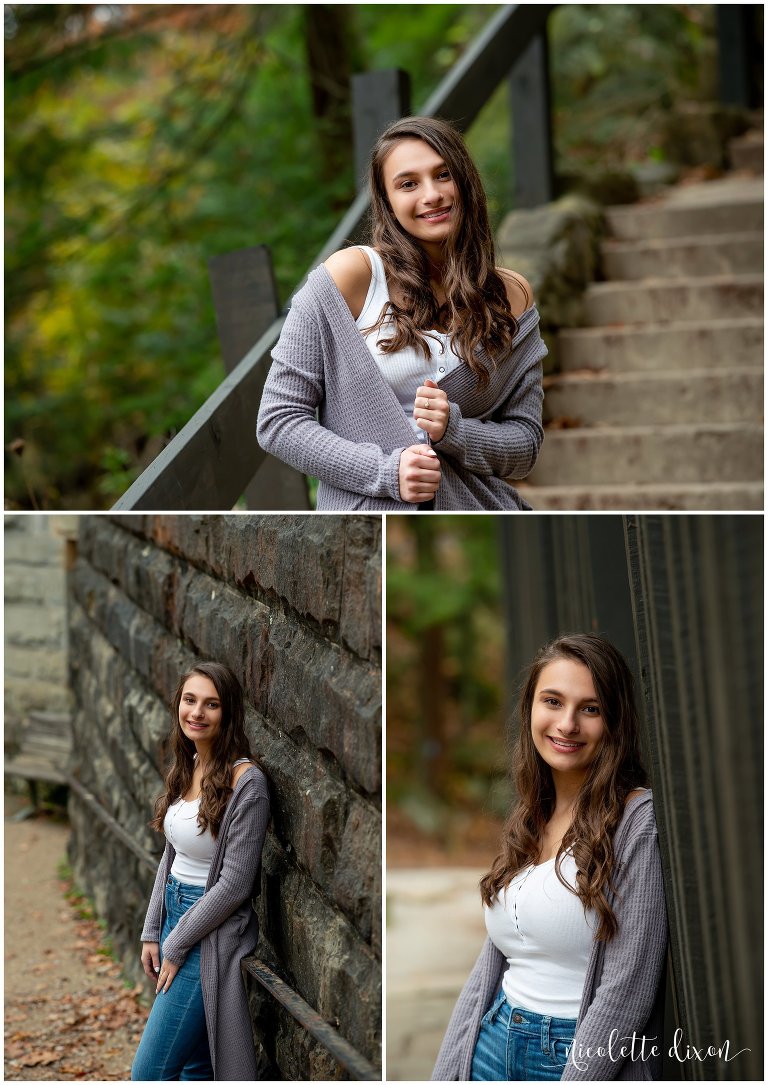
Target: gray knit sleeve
x=632, y=964
x=455, y=1055
x=151, y=930
x=287, y=426
x=507, y=444
x=242, y=856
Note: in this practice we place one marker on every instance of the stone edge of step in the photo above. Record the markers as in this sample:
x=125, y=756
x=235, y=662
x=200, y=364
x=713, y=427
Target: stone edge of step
x=733, y=323
x=620, y=246
x=744, y=279
x=667, y=430
x=640, y=376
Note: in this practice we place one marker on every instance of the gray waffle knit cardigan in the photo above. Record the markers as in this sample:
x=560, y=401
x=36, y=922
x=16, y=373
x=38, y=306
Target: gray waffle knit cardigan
x=321, y=361
x=225, y=923
x=623, y=989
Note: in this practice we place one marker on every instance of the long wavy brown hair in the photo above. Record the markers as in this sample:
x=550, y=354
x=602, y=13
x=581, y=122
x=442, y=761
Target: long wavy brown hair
x=230, y=744
x=615, y=771
x=476, y=312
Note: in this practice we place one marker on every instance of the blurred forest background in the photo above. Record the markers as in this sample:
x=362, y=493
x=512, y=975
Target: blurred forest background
x=448, y=698
x=140, y=140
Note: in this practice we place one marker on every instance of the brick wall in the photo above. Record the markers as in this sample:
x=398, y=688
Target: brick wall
x=292, y=605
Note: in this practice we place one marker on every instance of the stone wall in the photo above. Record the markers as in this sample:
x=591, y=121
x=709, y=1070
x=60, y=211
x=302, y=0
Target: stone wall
x=292, y=605
x=557, y=248
x=36, y=556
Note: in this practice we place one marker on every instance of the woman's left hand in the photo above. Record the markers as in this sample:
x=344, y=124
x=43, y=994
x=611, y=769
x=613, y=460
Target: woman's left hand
x=168, y=972
x=431, y=410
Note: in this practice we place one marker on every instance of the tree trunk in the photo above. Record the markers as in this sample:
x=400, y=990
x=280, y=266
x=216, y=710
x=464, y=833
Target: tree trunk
x=331, y=58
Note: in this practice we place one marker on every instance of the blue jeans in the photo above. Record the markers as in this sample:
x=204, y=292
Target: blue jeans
x=174, y=1046
x=517, y=1045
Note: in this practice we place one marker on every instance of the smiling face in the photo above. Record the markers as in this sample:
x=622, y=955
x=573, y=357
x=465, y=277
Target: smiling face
x=566, y=721
x=421, y=192
x=200, y=710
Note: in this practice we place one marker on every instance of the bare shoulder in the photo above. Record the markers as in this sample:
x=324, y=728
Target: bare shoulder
x=238, y=771
x=634, y=794
x=350, y=269
x=519, y=291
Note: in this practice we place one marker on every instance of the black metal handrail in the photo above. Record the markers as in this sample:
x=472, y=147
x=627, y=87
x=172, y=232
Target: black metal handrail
x=211, y=460
x=342, y=1051
x=106, y=818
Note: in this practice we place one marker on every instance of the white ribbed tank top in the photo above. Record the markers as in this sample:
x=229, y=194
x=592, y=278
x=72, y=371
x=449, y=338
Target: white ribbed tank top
x=406, y=369
x=194, y=850
x=541, y=929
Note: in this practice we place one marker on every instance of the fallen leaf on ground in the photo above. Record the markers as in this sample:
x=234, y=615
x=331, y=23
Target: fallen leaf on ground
x=41, y=1058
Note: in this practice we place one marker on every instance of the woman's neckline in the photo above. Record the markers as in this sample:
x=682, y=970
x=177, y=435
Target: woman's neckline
x=344, y=308
x=241, y=761
x=434, y=331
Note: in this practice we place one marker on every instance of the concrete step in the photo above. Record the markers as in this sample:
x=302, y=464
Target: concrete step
x=747, y=152
x=697, y=344
x=730, y=205
x=681, y=257
x=675, y=299
x=681, y=453
x=733, y=395
x=693, y=497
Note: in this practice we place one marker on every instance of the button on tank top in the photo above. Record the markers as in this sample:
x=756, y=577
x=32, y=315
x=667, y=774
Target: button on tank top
x=404, y=370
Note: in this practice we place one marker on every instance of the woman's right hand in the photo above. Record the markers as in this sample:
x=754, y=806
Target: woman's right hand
x=419, y=474
x=150, y=959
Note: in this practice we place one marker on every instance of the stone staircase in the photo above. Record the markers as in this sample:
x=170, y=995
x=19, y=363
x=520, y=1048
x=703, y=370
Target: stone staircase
x=659, y=401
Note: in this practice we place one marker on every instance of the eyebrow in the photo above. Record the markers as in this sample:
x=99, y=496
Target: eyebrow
x=410, y=173
x=585, y=700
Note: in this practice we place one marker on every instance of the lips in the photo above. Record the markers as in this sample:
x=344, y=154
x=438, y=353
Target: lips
x=565, y=747
x=437, y=213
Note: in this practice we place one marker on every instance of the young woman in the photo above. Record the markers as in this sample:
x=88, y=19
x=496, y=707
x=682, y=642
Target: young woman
x=572, y=967
x=200, y=922
x=422, y=357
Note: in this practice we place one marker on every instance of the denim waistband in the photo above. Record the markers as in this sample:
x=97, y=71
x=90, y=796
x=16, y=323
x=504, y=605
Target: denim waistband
x=522, y=1020
x=183, y=889
x=519, y=1019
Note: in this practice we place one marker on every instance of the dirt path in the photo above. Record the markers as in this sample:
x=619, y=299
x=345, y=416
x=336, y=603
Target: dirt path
x=68, y=1014
x=435, y=930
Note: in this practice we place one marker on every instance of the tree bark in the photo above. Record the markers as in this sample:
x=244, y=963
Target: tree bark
x=331, y=59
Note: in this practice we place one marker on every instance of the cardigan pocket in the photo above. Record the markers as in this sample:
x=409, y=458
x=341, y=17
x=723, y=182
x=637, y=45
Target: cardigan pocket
x=245, y=918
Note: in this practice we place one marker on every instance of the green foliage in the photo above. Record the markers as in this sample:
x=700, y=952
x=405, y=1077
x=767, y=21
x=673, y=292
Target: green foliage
x=443, y=586
x=617, y=68
x=136, y=148
x=143, y=139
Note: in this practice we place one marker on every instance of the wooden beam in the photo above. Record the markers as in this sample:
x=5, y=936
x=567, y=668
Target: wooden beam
x=378, y=99
x=246, y=302
x=208, y=465
x=532, y=126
